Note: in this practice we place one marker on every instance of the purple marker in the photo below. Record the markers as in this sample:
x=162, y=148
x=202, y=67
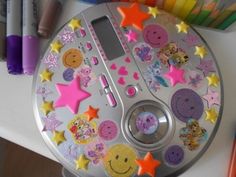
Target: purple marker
x=30, y=39
x=14, y=37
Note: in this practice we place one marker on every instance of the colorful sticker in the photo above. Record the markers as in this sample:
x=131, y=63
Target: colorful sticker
x=155, y=35
x=147, y=123
x=72, y=58
x=153, y=76
x=51, y=123
x=82, y=130
x=174, y=155
x=51, y=60
x=108, y=130
x=68, y=74
x=195, y=79
x=170, y=54
x=87, y=77
x=193, y=135
x=120, y=161
x=67, y=36
x=96, y=151
x=143, y=52
x=187, y=104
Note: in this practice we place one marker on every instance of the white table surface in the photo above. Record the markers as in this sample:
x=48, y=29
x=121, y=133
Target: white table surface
x=17, y=123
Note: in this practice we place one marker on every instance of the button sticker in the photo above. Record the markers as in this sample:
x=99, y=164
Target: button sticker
x=174, y=155
x=187, y=104
x=108, y=130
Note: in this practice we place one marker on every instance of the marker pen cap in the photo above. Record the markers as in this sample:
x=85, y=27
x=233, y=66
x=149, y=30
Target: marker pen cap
x=30, y=54
x=49, y=17
x=14, y=54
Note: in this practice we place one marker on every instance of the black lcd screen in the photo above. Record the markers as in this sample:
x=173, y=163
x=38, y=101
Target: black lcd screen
x=108, y=38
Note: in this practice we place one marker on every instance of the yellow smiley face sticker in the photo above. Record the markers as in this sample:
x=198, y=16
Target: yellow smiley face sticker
x=120, y=161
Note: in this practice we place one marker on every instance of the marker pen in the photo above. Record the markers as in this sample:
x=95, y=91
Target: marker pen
x=178, y=6
x=14, y=38
x=49, y=17
x=30, y=39
x=2, y=28
x=196, y=10
x=187, y=8
x=169, y=4
x=232, y=168
x=206, y=10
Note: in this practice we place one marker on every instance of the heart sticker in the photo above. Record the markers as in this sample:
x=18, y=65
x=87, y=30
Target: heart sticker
x=127, y=60
x=122, y=71
x=113, y=66
x=121, y=81
x=136, y=76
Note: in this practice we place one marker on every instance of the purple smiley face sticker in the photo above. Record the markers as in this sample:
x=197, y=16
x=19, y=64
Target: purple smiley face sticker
x=155, y=35
x=187, y=104
x=174, y=155
x=108, y=130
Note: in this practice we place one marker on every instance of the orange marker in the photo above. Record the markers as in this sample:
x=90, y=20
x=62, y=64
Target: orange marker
x=169, y=4
x=232, y=168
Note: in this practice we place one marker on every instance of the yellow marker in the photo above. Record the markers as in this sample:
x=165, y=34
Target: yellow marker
x=75, y=24
x=153, y=11
x=47, y=107
x=178, y=6
x=213, y=80
x=187, y=8
x=58, y=137
x=211, y=115
x=182, y=27
x=56, y=46
x=46, y=75
x=169, y=4
x=82, y=162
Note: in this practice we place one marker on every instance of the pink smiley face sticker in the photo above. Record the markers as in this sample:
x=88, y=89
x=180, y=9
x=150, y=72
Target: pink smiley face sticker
x=155, y=35
x=108, y=130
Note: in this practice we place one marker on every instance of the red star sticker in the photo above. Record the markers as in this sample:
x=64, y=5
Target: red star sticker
x=147, y=165
x=71, y=95
x=92, y=113
x=133, y=16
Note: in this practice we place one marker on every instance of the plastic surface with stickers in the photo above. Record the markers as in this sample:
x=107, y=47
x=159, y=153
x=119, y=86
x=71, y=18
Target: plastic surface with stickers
x=126, y=90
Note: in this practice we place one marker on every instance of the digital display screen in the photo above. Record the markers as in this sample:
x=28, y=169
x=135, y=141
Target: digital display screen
x=108, y=38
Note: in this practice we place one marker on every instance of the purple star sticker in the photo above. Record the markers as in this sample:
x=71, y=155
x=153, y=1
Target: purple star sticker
x=191, y=40
x=51, y=123
x=206, y=66
x=195, y=79
x=212, y=97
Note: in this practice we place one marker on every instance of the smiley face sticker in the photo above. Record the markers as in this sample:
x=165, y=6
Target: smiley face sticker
x=120, y=161
x=155, y=35
x=72, y=58
x=108, y=130
x=187, y=104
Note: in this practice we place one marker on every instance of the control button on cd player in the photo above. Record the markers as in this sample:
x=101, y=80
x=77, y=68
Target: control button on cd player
x=89, y=46
x=131, y=91
x=94, y=60
x=103, y=81
x=111, y=99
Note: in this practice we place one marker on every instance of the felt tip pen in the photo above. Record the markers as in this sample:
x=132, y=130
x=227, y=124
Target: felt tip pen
x=30, y=39
x=232, y=168
x=2, y=28
x=14, y=37
x=49, y=17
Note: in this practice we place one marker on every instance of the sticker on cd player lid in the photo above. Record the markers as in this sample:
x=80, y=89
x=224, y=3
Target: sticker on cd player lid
x=87, y=80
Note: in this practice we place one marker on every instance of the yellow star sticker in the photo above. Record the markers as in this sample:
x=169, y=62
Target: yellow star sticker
x=75, y=24
x=213, y=80
x=182, y=27
x=47, y=107
x=153, y=11
x=200, y=51
x=58, y=137
x=82, y=162
x=211, y=115
x=46, y=75
x=56, y=46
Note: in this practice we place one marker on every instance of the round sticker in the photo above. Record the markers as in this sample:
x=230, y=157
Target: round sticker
x=68, y=74
x=143, y=52
x=72, y=58
x=187, y=104
x=174, y=155
x=120, y=161
x=147, y=123
x=155, y=35
x=108, y=130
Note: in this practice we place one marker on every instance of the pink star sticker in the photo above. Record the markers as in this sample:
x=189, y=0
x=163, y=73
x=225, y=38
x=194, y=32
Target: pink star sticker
x=175, y=76
x=212, y=97
x=71, y=95
x=131, y=36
